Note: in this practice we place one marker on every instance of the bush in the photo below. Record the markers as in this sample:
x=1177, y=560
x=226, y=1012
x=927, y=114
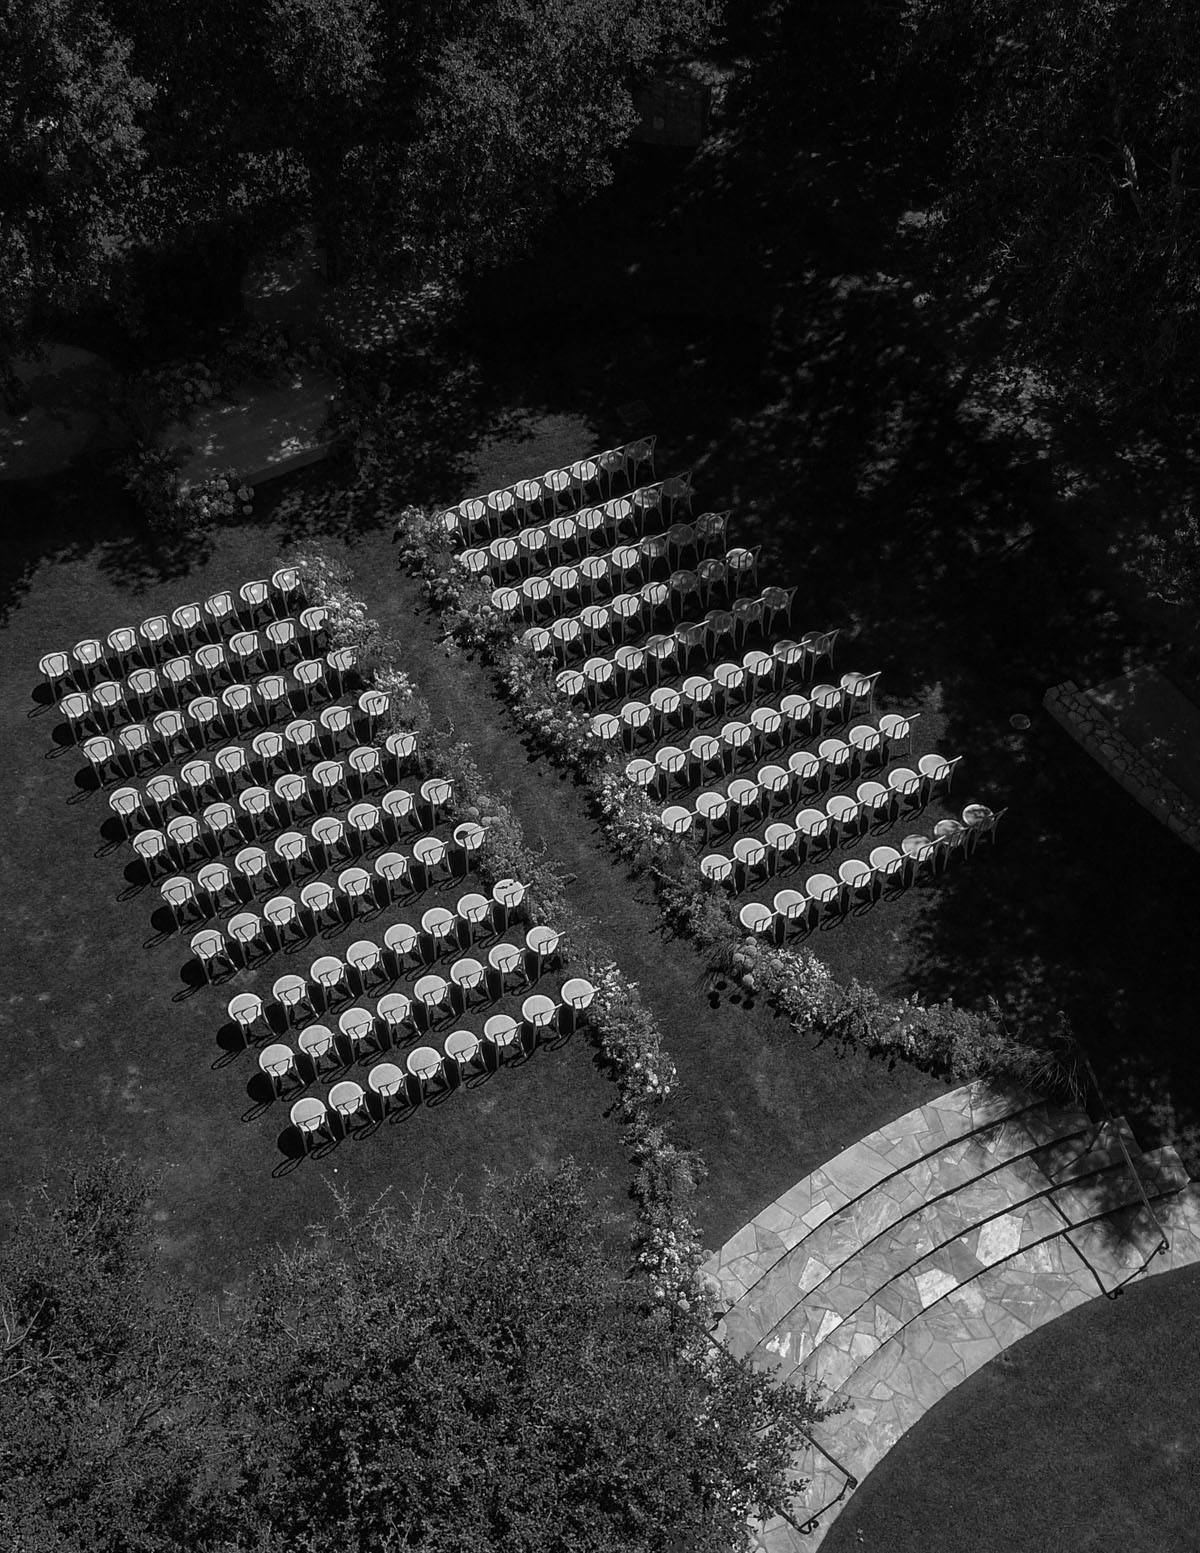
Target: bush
x=151, y=476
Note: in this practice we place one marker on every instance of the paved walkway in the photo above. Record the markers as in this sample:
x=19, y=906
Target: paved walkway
x=1158, y=720
x=898, y=1269
x=267, y=432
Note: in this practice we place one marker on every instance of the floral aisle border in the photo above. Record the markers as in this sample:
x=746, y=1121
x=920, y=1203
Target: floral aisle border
x=667, y=1246
x=939, y=1037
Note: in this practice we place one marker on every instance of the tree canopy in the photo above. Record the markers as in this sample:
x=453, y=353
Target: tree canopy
x=450, y=1377
x=1055, y=145
x=1072, y=175
x=420, y=137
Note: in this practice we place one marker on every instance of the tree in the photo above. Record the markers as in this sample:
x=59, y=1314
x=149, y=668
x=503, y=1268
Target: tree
x=70, y=111
x=107, y=1438
x=458, y=1377
x=485, y=1378
x=1071, y=176
x=420, y=138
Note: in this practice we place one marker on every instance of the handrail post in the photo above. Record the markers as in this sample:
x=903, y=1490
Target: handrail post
x=1164, y=1243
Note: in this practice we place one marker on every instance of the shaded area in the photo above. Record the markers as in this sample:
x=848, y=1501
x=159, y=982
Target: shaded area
x=1149, y=711
x=760, y=301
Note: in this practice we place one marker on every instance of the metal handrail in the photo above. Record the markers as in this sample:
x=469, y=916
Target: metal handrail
x=1110, y=1119
x=849, y=1483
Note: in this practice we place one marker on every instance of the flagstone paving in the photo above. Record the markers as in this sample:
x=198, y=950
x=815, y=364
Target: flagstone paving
x=902, y=1266
x=941, y=1178
x=944, y=1243
x=757, y=1246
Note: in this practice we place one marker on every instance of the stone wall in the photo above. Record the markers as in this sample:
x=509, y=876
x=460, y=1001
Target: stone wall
x=1075, y=711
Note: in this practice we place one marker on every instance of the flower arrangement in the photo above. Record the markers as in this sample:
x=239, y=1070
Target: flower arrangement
x=630, y=1040
x=220, y=496
x=151, y=475
x=326, y=581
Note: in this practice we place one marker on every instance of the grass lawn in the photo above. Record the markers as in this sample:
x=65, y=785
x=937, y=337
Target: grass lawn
x=1081, y=1437
x=142, y=1059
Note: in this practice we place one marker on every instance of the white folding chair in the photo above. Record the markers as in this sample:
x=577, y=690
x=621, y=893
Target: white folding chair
x=213, y=883
x=859, y=880
x=757, y=919
x=348, y=1100
x=316, y=1042
x=432, y=993
x=318, y=900
x=506, y=960
x=717, y=868
x=101, y=754
x=291, y=994
x=209, y=948
x=937, y=771
x=889, y=866
x=246, y=931
x=906, y=784
x=815, y=829
x=178, y=893
x=894, y=728
x=151, y=849
x=245, y=1009
x=127, y=804
x=678, y=821
x=791, y=907
x=670, y=763
x=712, y=808
x=828, y=895
x=780, y=839
x=860, y=690
x=392, y=868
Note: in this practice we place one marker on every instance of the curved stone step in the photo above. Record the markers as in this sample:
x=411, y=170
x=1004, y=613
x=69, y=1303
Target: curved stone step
x=970, y=1325
x=916, y=1188
x=1096, y=1192
x=783, y=1224
x=941, y=1225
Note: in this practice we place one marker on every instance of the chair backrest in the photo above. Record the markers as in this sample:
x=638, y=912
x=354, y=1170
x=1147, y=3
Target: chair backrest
x=317, y=895
x=315, y=1040
x=98, y=750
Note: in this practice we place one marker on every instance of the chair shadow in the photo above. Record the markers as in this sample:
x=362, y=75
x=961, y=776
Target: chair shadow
x=194, y=978
x=234, y=1041
x=162, y=934
x=61, y=740
x=290, y=1143
x=262, y=1095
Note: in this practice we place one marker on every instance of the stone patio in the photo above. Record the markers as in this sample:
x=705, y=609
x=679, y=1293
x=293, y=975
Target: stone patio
x=895, y=1271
